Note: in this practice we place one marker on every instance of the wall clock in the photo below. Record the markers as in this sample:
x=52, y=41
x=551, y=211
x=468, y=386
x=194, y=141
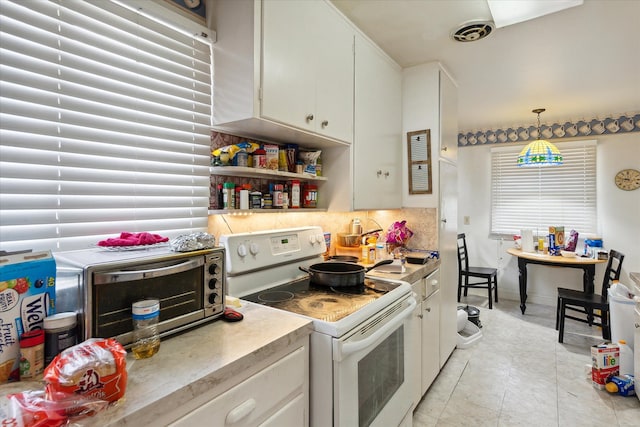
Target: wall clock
x=628, y=179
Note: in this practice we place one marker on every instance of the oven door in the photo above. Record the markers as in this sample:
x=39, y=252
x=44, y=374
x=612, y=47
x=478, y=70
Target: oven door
x=371, y=370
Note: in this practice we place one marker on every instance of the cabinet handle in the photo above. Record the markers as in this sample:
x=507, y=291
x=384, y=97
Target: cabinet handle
x=444, y=148
x=325, y=123
x=444, y=220
x=309, y=117
x=379, y=173
x=240, y=411
x=386, y=174
x=428, y=309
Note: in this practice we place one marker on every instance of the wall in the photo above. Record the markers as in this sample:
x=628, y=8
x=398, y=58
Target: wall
x=618, y=218
x=421, y=221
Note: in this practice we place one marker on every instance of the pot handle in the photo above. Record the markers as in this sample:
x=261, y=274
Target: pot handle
x=378, y=264
x=306, y=270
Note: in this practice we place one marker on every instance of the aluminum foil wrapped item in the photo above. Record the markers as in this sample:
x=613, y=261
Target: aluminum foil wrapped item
x=193, y=242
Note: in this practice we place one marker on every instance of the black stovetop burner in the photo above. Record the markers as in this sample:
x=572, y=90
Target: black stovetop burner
x=321, y=302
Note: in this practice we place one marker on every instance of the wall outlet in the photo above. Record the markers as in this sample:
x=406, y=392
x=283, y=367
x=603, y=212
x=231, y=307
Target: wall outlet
x=467, y=220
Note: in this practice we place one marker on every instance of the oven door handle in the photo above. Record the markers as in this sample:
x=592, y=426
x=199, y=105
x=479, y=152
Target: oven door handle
x=127, y=276
x=348, y=348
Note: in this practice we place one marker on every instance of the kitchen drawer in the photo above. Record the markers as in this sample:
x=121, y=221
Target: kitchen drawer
x=257, y=398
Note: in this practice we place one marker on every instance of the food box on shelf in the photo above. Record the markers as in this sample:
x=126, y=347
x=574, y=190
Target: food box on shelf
x=27, y=296
x=605, y=363
x=272, y=155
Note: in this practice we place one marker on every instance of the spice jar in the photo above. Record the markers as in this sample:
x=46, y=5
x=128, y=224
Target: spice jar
x=260, y=159
x=31, y=354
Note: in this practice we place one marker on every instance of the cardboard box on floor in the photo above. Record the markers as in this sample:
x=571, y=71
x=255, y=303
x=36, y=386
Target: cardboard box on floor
x=27, y=296
x=605, y=360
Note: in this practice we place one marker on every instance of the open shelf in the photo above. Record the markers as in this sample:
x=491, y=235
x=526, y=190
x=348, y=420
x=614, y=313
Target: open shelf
x=243, y=171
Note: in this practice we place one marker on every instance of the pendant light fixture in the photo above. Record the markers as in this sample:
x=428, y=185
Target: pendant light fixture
x=540, y=152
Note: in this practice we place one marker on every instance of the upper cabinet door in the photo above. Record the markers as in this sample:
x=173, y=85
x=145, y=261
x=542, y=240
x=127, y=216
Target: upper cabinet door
x=335, y=74
x=378, y=130
x=288, y=63
x=307, y=67
x=448, y=118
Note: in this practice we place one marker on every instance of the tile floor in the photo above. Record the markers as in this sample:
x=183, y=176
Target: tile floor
x=519, y=375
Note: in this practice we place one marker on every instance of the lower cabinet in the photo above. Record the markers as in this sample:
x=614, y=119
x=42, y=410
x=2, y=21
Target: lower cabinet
x=275, y=396
x=425, y=335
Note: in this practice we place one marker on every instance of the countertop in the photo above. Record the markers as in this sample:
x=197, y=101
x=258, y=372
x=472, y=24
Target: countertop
x=413, y=272
x=193, y=363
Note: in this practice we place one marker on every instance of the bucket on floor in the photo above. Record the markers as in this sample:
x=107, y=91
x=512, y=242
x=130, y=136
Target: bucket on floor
x=468, y=336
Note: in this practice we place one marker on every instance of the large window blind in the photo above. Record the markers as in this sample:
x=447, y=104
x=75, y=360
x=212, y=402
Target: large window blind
x=537, y=197
x=104, y=124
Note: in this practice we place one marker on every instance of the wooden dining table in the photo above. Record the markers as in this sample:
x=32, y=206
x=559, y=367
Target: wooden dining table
x=587, y=265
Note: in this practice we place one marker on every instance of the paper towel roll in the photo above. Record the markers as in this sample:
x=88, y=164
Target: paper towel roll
x=527, y=240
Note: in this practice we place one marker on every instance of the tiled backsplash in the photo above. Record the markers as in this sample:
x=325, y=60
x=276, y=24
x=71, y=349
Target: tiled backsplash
x=421, y=221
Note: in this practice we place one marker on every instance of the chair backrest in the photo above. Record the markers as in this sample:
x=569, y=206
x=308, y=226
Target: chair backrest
x=614, y=266
x=463, y=258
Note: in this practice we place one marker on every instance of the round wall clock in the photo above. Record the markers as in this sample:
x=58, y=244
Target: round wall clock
x=628, y=179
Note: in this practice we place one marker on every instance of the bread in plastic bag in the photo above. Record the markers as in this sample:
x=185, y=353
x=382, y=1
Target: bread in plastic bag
x=96, y=367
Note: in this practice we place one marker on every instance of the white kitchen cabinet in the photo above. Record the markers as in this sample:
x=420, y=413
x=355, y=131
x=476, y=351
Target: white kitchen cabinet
x=429, y=101
x=275, y=396
x=425, y=334
x=377, y=167
x=283, y=71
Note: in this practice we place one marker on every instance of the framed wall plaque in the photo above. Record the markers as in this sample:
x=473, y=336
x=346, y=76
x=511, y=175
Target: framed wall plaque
x=419, y=157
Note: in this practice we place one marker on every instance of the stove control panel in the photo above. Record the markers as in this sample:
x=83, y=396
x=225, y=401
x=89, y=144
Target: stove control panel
x=247, y=252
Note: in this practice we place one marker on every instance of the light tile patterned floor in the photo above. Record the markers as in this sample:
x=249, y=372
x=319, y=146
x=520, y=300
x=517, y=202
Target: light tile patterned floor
x=519, y=375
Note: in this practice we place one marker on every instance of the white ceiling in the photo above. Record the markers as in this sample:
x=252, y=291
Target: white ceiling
x=580, y=63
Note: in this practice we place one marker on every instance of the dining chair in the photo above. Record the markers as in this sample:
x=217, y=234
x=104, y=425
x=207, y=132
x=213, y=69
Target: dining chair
x=488, y=276
x=586, y=303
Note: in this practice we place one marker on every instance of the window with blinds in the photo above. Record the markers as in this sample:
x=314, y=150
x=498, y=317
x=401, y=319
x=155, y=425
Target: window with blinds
x=104, y=124
x=538, y=197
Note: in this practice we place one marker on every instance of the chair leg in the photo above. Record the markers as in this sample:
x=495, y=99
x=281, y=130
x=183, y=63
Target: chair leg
x=466, y=285
x=558, y=313
x=490, y=296
x=459, y=286
x=561, y=330
x=495, y=280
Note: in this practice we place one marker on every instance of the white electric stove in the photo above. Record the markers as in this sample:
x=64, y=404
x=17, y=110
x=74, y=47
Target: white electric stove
x=358, y=350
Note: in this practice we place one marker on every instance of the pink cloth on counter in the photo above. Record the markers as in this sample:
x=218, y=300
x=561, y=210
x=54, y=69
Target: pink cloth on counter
x=133, y=239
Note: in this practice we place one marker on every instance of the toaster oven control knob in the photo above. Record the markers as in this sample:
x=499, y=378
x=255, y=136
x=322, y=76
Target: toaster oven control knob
x=242, y=250
x=212, y=283
x=213, y=268
x=254, y=249
x=212, y=298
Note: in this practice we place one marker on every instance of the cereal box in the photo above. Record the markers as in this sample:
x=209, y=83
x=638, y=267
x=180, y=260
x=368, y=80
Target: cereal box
x=605, y=363
x=558, y=236
x=27, y=296
x=272, y=151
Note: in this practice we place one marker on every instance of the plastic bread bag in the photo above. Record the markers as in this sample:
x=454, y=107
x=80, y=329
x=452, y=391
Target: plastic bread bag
x=572, y=241
x=35, y=409
x=95, y=368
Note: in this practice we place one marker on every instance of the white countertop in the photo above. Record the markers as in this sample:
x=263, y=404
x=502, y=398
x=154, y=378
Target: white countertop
x=193, y=363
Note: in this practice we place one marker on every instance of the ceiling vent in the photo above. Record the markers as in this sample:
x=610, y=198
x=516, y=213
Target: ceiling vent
x=472, y=30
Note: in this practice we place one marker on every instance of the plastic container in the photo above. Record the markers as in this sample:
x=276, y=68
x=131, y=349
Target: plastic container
x=146, y=340
x=228, y=195
x=310, y=196
x=60, y=332
x=621, y=312
x=626, y=358
x=31, y=354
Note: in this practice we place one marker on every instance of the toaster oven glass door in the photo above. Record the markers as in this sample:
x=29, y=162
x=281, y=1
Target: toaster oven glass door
x=178, y=284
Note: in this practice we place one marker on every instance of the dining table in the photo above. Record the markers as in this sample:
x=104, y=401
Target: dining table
x=586, y=264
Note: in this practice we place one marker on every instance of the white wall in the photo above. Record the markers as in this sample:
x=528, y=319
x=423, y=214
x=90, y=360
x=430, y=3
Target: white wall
x=618, y=219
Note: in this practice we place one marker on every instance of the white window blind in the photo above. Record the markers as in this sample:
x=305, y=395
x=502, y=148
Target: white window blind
x=104, y=125
x=536, y=198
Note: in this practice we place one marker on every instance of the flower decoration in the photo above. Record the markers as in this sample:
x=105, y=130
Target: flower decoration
x=398, y=233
